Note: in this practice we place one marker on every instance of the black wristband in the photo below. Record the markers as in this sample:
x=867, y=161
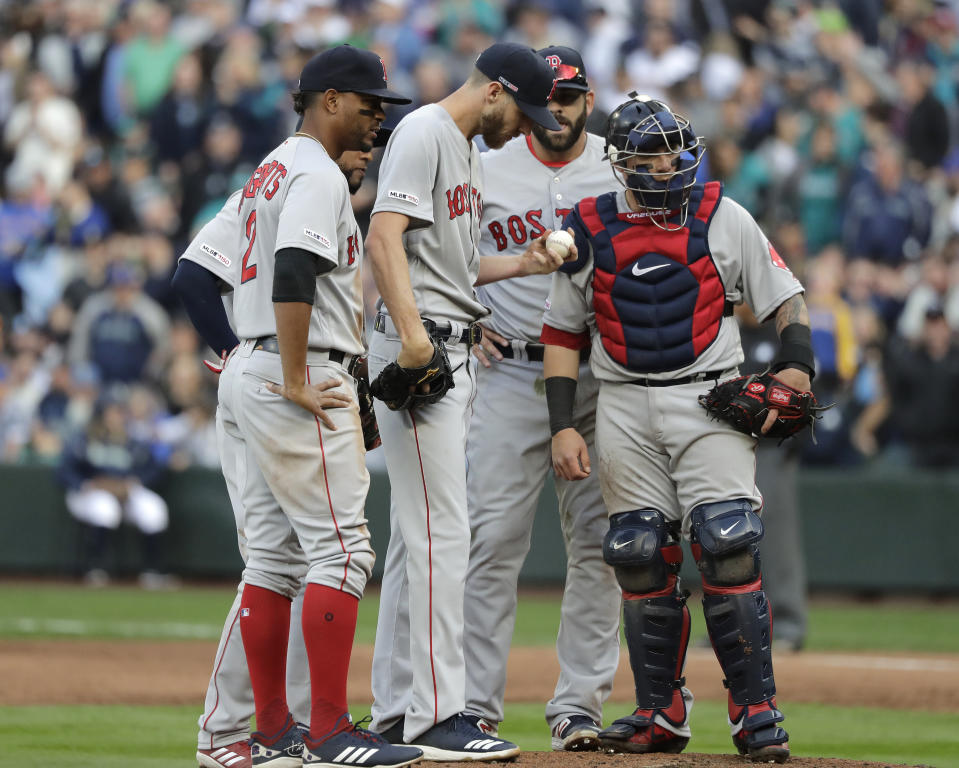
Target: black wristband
x=560, y=394
x=795, y=350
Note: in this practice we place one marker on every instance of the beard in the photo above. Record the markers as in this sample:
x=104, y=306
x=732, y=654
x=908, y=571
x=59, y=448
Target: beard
x=560, y=141
x=493, y=129
x=355, y=180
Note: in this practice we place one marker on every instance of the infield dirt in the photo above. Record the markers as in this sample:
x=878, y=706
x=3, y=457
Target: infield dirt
x=174, y=673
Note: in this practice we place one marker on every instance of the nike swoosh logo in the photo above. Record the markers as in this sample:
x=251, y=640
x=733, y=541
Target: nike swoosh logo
x=724, y=531
x=621, y=544
x=640, y=272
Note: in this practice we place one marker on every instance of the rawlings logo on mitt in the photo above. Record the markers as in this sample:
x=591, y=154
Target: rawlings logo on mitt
x=408, y=388
x=745, y=402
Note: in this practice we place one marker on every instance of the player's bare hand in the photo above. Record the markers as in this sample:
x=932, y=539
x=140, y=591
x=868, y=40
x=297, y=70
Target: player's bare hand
x=795, y=378
x=537, y=259
x=570, y=455
x=315, y=398
x=487, y=347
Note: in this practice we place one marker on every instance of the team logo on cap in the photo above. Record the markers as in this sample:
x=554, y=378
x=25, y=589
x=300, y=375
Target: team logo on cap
x=553, y=60
x=383, y=64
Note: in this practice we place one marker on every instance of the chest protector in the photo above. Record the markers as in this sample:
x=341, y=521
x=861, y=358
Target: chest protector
x=657, y=294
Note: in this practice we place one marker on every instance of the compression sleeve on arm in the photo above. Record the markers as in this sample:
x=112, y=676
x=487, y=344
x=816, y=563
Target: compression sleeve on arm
x=199, y=291
x=294, y=277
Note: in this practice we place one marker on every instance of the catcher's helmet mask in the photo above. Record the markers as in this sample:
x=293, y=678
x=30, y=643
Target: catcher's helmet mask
x=646, y=128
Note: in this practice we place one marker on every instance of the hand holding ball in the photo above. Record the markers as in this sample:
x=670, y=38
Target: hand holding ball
x=559, y=242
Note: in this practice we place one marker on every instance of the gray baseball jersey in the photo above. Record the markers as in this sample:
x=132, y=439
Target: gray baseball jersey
x=657, y=447
x=509, y=455
x=298, y=198
x=524, y=197
x=303, y=486
x=748, y=265
x=228, y=705
x=431, y=173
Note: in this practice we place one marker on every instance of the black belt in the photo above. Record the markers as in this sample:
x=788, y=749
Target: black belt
x=272, y=344
x=696, y=377
x=472, y=334
x=534, y=351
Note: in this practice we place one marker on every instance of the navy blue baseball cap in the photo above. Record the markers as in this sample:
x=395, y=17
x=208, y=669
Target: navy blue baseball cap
x=348, y=69
x=525, y=76
x=568, y=67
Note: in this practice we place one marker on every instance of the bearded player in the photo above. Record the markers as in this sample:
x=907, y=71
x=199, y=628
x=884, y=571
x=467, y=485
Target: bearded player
x=531, y=185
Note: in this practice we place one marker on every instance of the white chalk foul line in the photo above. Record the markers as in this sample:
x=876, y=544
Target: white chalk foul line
x=86, y=628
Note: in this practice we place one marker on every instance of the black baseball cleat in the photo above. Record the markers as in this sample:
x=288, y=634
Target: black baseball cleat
x=458, y=739
x=756, y=732
x=576, y=733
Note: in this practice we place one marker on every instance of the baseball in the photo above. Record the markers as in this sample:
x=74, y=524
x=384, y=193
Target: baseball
x=560, y=242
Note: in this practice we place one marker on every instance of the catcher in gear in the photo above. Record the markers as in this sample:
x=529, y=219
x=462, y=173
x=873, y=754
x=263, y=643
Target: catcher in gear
x=661, y=265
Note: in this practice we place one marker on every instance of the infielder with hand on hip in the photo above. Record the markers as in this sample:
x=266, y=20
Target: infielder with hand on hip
x=422, y=245
x=287, y=395
x=660, y=266
x=207, y=268
x=531, y=185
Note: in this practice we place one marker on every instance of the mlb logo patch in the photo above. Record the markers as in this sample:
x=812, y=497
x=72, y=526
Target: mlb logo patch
x=404, y=196
x=244, y=612
x=210, y=250
x=320, y=238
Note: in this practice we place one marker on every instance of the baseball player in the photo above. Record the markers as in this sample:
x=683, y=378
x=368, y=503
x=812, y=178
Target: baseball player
x=423, y=248
x=660, y=266
x=205, y=270
x=287, y=397
x=531, y=185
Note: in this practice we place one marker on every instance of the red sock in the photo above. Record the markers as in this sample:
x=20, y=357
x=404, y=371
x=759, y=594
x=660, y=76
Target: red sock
x=265, y=626
x=329, y=623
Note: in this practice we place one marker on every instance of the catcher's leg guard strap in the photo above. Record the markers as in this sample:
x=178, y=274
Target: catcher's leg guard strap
x=740, y=629
x=724, y=537
x=644, y=551
x=657, y=636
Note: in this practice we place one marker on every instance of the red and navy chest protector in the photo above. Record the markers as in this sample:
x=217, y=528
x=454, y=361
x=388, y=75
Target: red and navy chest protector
x=658, y=297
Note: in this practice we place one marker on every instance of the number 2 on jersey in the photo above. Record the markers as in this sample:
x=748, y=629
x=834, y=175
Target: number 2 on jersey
x=249, y=270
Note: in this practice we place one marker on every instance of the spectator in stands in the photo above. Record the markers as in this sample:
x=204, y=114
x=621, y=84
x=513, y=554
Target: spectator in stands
x=178, y=123
x=820, y=189
x=121, y=330
x=151, y=57
x=43, y=134
x=888, y=216
x=107, y=474
x=922, y=380
x=924, y=124
x=659, y=63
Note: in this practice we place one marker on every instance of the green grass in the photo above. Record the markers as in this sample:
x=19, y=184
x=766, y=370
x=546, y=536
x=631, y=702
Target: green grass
x=56, y=610
x=149, y=737
x=103, y=737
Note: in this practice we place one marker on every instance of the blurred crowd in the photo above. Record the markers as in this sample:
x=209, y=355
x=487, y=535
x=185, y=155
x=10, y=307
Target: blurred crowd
x=125, y=125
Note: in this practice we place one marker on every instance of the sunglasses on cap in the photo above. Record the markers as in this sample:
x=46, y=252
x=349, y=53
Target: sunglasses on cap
x=566, y=72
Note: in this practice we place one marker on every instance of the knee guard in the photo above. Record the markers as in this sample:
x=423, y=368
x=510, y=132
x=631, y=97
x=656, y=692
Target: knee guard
x=724, y=539
x=644, y=551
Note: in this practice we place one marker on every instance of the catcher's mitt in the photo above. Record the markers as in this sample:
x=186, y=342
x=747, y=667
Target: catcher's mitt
x=371, y=430
x=745, y=402
x=408, y=388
